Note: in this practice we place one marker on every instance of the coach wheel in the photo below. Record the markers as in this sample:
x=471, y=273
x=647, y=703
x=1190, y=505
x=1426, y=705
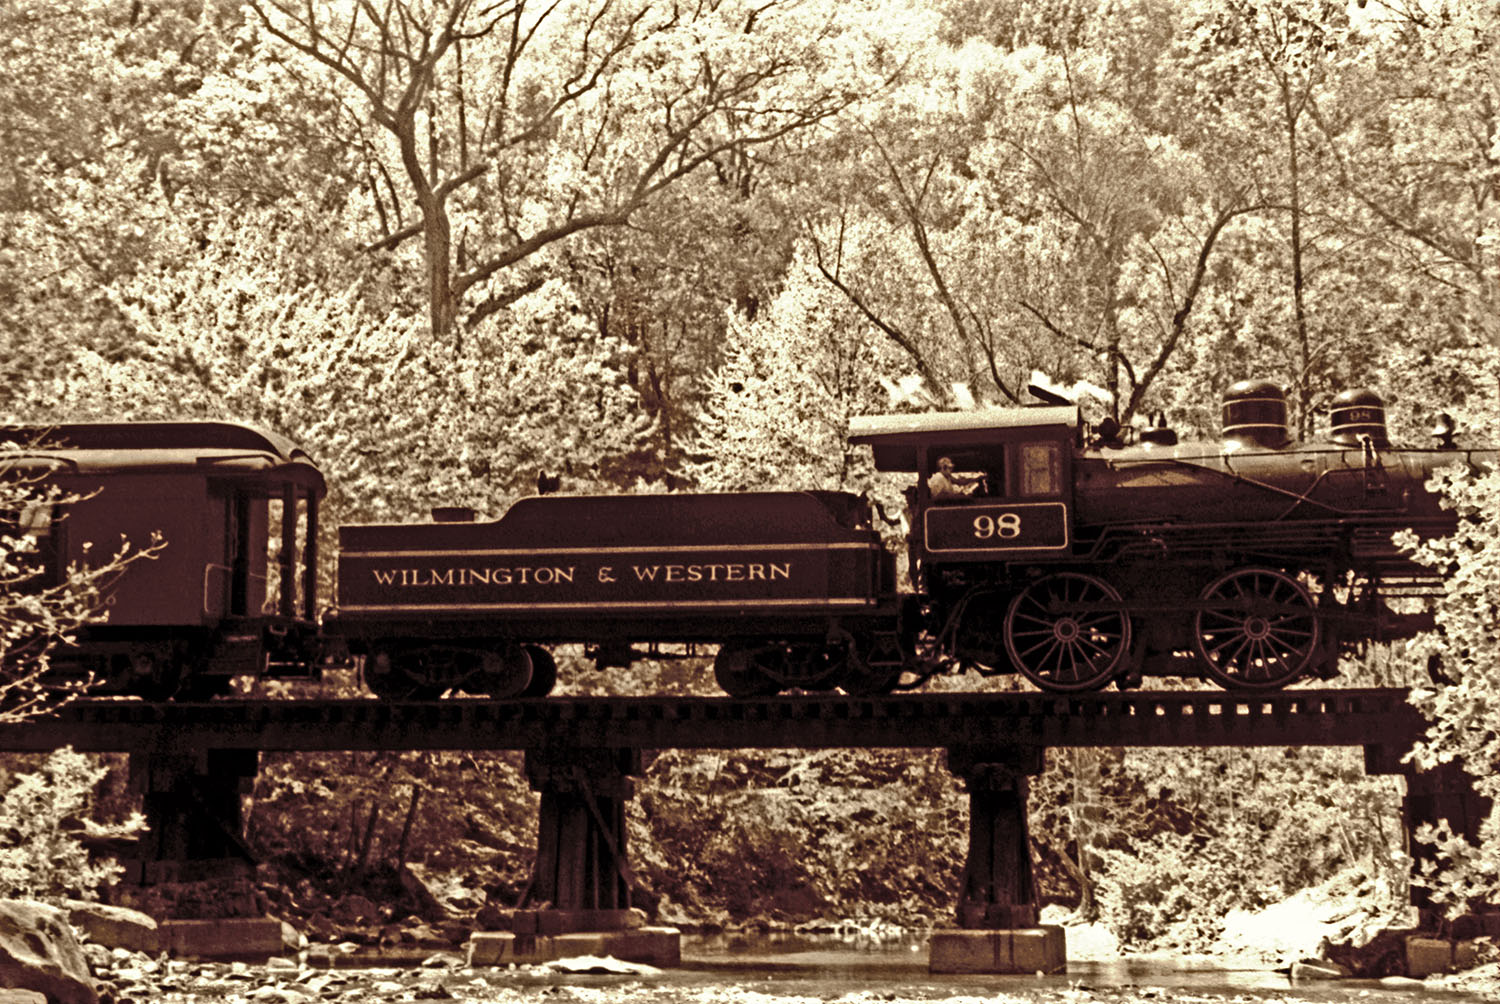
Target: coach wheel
x=203, y=687
x=1067, y=632
x=1257, y=629
x=738, y=675
x=403, y=676
x=543, y=672
x=508, y=671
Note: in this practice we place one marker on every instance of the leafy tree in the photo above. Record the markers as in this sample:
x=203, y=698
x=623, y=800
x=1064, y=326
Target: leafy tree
x=1043, y=220
x=42, y=814
x=504, y=128
x=248, y=329
x=84, y=139
x=1211, y=831
x=779, y=405
x=1462, y=703
x=1254, y=73
x=1412, y=139
x=717, y=244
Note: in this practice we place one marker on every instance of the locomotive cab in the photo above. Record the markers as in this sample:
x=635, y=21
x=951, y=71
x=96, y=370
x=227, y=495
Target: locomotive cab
x=1013, y=470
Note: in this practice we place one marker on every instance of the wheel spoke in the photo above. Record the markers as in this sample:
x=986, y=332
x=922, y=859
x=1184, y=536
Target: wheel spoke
x=1048, y=642
x=1073, y=661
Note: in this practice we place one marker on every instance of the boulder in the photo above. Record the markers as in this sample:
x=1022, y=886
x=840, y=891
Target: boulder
x=115, y=926
x=38, y=951
x=12, y=996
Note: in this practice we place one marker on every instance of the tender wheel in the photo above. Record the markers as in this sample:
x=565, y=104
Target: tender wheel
x=858, y=677
x=738, y=675
x=510, y=671
x=1258, y=629
x=403, y=676
x=1067, y=632
x=543, y=672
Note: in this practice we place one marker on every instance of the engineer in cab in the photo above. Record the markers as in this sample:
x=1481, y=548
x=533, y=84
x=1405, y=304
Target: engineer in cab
x=945, y=484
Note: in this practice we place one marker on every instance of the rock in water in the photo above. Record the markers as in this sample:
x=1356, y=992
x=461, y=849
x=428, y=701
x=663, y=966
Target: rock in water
x=115, y=926
x=38, y=951
x=607, y=964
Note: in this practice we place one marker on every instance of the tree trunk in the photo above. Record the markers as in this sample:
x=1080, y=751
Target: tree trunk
x=437, y=251
x=1299, y=278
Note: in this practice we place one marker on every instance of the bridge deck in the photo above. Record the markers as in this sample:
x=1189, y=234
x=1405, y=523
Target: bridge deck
x=1143, y=718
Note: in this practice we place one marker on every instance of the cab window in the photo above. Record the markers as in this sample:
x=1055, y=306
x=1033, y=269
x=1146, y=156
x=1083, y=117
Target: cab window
x=1041, y=469
x=965, y=472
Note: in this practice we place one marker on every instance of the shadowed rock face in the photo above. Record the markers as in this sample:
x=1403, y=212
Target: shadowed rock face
x=38, y=951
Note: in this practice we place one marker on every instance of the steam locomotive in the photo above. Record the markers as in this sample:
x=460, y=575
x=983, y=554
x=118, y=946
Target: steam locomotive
x=1053, y=550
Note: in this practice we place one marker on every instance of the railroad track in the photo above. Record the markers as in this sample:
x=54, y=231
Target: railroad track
x=1368, y=717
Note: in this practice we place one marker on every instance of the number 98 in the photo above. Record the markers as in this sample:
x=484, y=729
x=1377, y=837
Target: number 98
x=1006, y=526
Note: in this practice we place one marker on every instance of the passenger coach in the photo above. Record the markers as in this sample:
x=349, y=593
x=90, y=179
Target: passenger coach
x=232, y=591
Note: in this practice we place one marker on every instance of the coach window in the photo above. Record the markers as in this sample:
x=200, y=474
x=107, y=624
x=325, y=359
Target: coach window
x=41, y=565
x=1041, y=469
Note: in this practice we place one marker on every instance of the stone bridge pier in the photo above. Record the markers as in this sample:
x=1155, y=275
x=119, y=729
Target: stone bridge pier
x=580, y=897
x=997, y=898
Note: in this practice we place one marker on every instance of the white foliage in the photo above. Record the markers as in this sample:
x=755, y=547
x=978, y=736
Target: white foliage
x=779, y=405
x=38, y=614
x=41, y=856
x=1463, y=707
x=398, y=421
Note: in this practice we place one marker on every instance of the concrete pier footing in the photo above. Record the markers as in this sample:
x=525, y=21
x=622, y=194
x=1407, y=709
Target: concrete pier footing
x=1040, y=949
x=656, y=946
x=239, y=939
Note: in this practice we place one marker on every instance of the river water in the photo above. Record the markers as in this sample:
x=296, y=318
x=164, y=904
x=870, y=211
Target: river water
x=738, y=969
x=827, y=968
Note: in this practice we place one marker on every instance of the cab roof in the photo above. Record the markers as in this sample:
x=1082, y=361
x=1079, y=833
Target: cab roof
x=898, y=440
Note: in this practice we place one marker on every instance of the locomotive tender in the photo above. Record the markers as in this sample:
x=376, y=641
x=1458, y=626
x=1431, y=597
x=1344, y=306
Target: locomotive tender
x=1071, y=558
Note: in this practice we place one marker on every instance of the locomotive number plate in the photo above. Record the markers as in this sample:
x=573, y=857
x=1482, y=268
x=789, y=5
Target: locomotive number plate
x=1024, y=526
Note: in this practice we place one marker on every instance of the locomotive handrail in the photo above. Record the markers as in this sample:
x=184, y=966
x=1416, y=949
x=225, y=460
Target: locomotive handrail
x=1239, y=478
x=1286, y=532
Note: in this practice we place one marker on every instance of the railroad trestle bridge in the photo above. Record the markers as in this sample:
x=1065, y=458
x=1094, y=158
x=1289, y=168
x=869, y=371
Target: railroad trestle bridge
x=193, y=762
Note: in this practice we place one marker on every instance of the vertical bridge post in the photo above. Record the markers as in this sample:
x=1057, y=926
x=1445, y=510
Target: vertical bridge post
x=1445, y=792
x=579, y=899
x=193, y=808
x=581, y=862
x=997, y=903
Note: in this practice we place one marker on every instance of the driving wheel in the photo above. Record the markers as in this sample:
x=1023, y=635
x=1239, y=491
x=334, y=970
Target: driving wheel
x=1256, y=629
x=1067, y=632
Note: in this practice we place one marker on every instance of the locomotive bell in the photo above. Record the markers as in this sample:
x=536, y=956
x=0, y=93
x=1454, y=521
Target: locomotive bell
x=1255, y=412
x=1357, y=414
